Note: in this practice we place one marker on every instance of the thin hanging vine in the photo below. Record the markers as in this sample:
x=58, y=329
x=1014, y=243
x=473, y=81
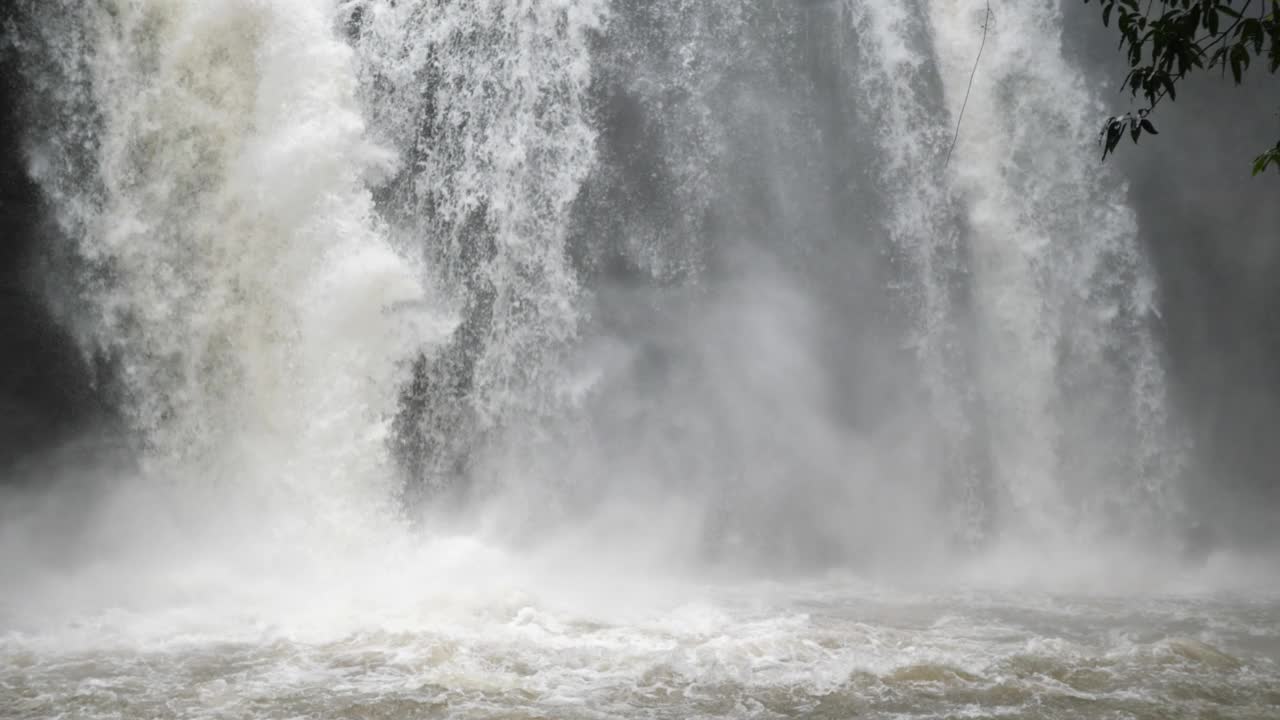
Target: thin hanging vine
x=986, y=27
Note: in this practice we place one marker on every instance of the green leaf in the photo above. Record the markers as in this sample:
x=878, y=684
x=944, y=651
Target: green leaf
x=1166, y=41
x=1239, y=61
x=1266, y=159
x=1251, y=29
x=1112, y=133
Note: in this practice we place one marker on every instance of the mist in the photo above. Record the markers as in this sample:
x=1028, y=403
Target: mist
x=632, y=357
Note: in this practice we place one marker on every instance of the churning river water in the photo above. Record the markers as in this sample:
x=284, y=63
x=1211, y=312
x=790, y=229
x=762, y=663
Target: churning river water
x=831, y=649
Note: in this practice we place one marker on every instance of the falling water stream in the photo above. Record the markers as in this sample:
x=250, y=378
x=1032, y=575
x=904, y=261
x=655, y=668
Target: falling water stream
x=604, y=358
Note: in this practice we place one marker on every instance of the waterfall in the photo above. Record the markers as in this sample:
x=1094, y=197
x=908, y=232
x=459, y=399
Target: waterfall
x=347, y=261
x=487, y=102
x=1066, y=301
x=209, y=166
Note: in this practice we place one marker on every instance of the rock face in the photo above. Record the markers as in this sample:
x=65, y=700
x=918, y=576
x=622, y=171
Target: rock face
x=45, y=388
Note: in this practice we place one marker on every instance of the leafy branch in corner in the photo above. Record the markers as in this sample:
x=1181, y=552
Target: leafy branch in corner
x=1167, y=40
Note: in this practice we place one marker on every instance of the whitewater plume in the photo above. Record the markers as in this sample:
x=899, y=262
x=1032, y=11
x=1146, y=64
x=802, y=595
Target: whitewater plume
x=1078, y=414
x=525, y=264
x=488, y=103
x=208, y=163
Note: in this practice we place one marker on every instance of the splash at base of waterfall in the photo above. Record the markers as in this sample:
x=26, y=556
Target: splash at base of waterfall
x=470, y=633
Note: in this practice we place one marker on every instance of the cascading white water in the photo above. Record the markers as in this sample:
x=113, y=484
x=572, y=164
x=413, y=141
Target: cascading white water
x=487, y=107
x=234, y=273
x=894, y=61
x=262, y=316
x=1064, y=298
x=487, y=102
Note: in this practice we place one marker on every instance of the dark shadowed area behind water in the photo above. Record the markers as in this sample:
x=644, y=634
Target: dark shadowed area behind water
x=1211, y=230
